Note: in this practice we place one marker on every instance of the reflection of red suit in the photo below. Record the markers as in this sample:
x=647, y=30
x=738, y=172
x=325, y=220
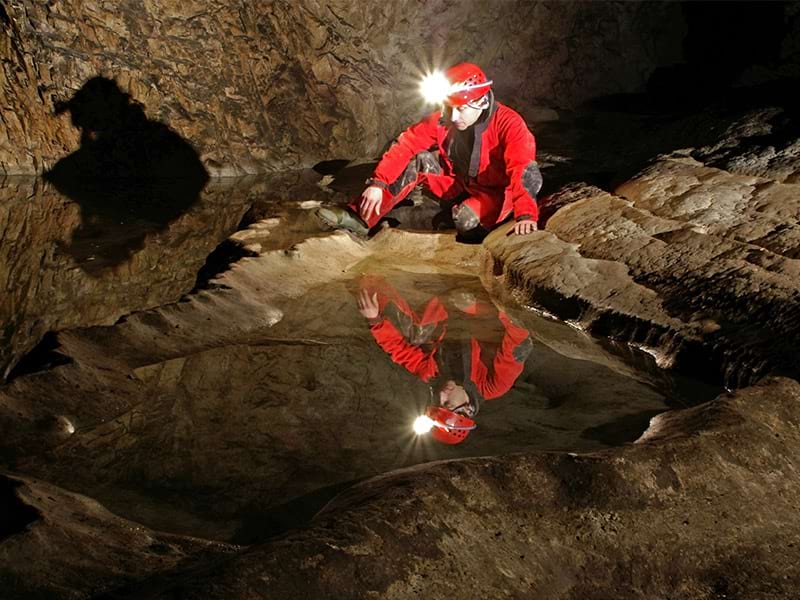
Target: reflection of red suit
x=489, y=381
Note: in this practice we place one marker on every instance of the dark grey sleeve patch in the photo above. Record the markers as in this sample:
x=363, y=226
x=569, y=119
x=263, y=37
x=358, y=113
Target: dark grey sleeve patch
x=522, y=350
x=428, y=162
x=532, y=179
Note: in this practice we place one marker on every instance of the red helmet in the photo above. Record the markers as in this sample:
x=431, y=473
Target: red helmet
x=468, y=83
x=449, y=427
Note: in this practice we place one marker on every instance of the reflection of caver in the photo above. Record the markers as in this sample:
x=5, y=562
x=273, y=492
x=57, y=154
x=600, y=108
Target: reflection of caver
x=482, y=364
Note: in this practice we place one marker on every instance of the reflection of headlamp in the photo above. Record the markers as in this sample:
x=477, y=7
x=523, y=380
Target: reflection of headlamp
x=423, y=424
x=444, y=425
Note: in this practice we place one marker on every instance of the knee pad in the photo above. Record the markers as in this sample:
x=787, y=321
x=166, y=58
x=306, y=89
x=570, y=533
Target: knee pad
x=532, y=179
x=465, y=218
x=427, y=162
x=423, y=162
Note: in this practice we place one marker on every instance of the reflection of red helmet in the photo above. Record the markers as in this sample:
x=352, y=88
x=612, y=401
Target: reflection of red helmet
x=469, y=83
x=449, y=427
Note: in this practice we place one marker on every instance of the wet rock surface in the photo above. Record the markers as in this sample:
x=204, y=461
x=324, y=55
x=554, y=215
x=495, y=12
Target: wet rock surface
x=693, y=261
x=217, y=416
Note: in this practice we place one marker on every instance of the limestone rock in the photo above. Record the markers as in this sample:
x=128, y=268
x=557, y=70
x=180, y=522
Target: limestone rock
x=64, y=545
x=261, y=87
x=703, y=506
x=695, y=263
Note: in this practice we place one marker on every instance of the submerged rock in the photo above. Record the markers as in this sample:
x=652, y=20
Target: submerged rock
x=69, y=262
x=268, y=393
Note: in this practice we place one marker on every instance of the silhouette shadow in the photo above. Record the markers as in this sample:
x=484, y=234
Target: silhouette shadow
x=622, y=430
x=131, y=176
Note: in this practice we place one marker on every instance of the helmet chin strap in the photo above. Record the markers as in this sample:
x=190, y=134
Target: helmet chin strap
x=480, y=104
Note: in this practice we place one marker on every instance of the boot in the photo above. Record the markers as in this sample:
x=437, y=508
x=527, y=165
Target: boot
x=336, y=217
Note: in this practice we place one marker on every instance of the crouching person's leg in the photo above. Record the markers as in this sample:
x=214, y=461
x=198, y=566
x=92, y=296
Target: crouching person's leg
x=424, y=162
x=475, y=217
x=390, y=195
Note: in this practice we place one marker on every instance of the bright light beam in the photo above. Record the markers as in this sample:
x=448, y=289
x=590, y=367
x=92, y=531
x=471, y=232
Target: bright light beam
x=434, y=87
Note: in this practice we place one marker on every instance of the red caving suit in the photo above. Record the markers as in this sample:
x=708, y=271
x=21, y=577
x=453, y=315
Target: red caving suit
x=502, y=153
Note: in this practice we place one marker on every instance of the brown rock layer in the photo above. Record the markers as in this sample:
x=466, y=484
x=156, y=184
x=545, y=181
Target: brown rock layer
x=265, y=86
x=695, y=262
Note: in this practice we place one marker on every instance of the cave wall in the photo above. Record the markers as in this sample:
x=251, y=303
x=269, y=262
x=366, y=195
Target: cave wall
x=264, y=86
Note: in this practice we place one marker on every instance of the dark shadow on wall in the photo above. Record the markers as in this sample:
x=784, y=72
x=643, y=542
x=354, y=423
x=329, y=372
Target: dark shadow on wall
x=622, y=430
x=131, y=176
x=724, y=38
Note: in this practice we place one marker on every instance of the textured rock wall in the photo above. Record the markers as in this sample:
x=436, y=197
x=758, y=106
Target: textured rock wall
x=263, y=86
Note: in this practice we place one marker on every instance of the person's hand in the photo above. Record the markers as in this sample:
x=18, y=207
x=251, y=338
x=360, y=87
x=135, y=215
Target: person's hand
x=525, y=227
x=368, y=305
x=370, y=202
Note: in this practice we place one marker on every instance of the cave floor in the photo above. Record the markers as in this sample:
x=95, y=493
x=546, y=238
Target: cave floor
x=251, y=435
x=204, y=370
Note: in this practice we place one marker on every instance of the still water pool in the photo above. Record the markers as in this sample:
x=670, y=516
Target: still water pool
x=181, y=418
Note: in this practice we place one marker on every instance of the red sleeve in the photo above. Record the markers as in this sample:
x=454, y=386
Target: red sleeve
x=413, y=358
x=508, y=364
x=413, y=140
x=519, y=152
